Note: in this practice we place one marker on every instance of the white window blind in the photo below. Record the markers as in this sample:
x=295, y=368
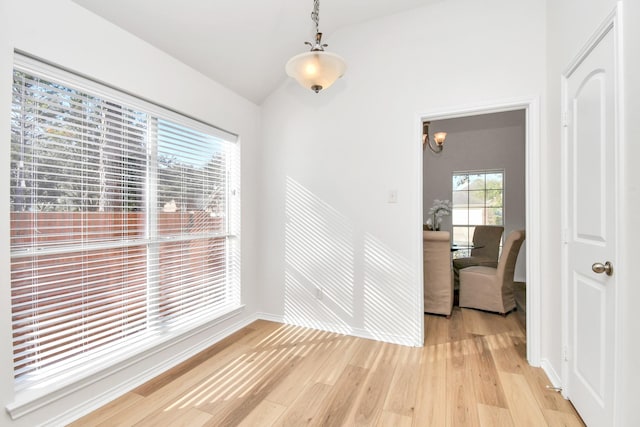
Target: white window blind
x=124, y=224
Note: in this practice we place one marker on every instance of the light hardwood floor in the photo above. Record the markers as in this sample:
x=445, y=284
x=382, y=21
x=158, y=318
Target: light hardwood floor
x=471, y=372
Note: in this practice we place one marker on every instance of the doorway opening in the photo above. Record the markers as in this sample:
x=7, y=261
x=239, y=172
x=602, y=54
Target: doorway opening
x=500, y=136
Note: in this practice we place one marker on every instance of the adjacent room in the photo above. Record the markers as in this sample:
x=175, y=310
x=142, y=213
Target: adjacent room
x=479, y=180
x=248, y=212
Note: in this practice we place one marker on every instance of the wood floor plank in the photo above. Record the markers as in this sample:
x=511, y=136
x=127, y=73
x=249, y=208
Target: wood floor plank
x=370, y=401
x=171, y=416
x=305, y=408
x=265, y=414
x=342, y=397
x=492, y=416
x=561, y=419
x=388, y=419
x=234, y=339
x=314, y=357
x=145, y=409
x=201, y=378
x=523, y=406
x=331, y=369
x=290, y=335
x=187, y=418
x=488, y=389
x=107, y=411
x=191, y=418
x=185, y=390
x=456, y=329
x=404, y=386
x=431, y=398
x=366, y=353
x=265, y=375
x=436, y=328
x=268, y=332
x=506, y=352
x=461, y=403
x=478, y=322
x=216, y=378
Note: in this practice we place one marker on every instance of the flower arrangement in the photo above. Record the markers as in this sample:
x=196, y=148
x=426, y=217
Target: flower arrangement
x=439, y=209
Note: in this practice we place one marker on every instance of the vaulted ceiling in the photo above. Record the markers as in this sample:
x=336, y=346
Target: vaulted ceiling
x=242, y=44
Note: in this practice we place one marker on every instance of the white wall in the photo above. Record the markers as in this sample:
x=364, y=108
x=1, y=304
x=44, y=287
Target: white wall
x=487, y=141
x=64, y=33
x=330, y=159
x=570, y=25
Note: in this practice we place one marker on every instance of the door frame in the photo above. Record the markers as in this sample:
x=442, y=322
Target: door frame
x=611, y=23
x=533, y=176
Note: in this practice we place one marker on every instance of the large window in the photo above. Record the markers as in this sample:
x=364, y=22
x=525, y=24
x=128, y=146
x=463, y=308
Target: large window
x=124, y=224
x=478, y=199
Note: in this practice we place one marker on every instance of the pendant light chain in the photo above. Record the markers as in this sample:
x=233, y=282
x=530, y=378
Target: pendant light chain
x=315, y=14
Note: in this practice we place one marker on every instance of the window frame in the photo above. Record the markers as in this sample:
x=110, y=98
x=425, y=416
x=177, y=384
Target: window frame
x=231, y=234
x=468, y=225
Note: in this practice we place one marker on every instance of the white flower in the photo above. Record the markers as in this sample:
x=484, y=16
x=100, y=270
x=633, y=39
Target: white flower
x=439, y=209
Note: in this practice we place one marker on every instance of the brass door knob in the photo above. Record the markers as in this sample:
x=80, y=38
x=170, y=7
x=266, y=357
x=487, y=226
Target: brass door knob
x=600, y=268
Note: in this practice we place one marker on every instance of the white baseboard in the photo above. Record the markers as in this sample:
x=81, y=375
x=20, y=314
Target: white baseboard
x=341, y=329
x=270, y=317
x=553, y=376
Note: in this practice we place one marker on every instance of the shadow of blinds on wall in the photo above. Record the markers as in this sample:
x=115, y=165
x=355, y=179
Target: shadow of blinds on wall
x=124, y=225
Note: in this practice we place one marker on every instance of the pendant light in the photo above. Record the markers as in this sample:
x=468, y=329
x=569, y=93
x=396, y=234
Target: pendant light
x=316, y=69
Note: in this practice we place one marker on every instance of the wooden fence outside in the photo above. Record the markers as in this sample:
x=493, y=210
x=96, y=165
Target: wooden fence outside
x=77, y=295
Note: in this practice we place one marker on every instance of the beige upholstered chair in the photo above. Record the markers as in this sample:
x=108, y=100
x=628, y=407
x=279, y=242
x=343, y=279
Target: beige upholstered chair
x=489, y=288
x=486, y=242
x=438, y=279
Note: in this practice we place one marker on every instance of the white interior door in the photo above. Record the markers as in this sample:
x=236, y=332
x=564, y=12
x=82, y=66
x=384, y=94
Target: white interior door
x=591, y=136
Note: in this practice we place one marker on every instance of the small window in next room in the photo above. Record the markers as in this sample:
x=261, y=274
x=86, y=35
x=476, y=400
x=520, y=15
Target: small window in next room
x=478, y=199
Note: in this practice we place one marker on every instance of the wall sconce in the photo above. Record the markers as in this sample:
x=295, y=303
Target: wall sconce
x=438, y=138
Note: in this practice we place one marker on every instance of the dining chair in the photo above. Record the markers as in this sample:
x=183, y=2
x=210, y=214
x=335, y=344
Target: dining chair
x=486, y=247
x=438, y=278
x=489, y=288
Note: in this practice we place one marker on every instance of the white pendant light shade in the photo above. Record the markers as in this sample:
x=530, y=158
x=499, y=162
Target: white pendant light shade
x=316, y=70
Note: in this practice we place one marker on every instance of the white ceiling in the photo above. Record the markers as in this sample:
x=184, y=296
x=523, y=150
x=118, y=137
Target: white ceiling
x=242, y=44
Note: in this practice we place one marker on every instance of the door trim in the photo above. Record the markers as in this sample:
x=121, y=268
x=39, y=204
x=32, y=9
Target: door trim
x=533, y=201
x=612, y=23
